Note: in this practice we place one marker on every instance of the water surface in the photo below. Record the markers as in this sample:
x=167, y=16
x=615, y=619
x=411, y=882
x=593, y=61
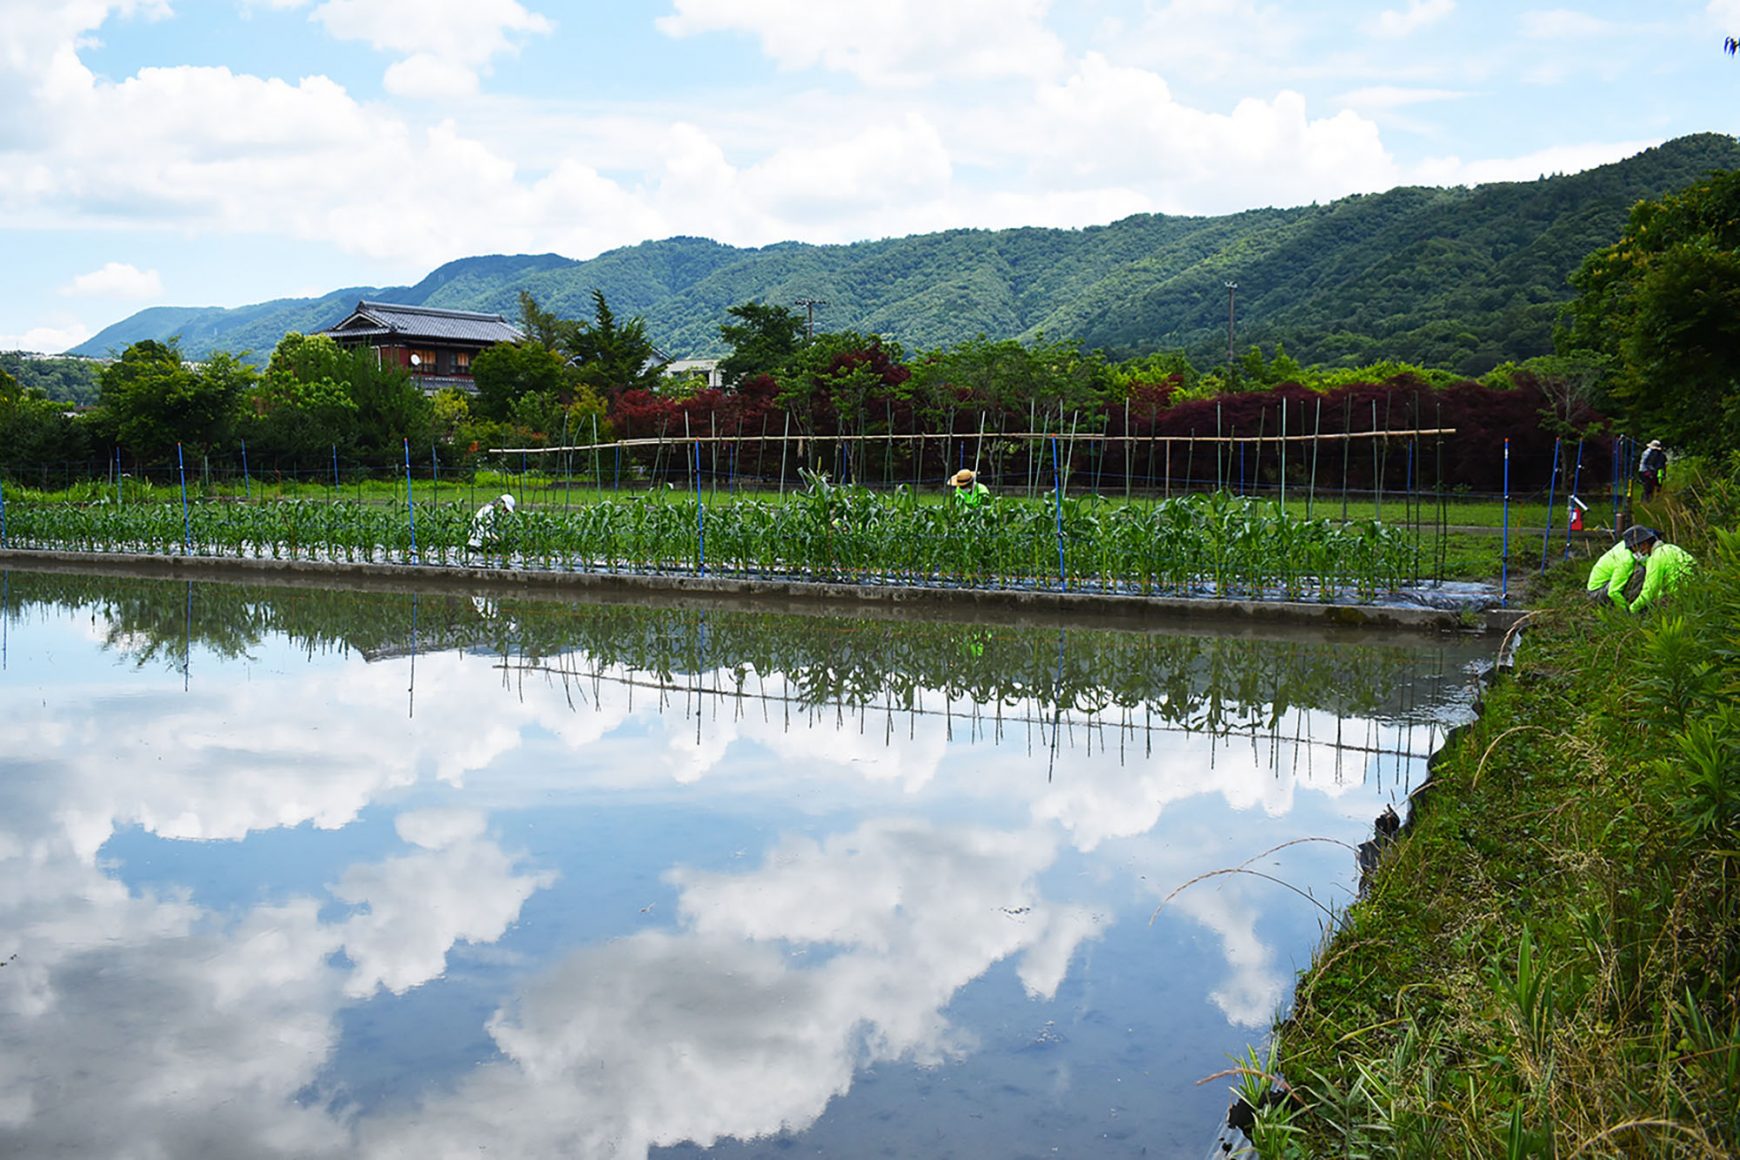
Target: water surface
x=311, y=873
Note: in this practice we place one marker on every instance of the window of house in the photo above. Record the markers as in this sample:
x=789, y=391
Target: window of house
x=461, y=362
x=422, y=361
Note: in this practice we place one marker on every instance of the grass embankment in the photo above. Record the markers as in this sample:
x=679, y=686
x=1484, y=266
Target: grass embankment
x=1547, y=961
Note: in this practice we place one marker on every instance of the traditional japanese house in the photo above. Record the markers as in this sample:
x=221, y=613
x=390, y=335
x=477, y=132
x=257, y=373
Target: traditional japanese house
x=436, y=346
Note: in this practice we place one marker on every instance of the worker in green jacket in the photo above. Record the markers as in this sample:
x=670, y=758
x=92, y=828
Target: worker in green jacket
x=1612, y=572
x=1665, y=567
x=969, y=492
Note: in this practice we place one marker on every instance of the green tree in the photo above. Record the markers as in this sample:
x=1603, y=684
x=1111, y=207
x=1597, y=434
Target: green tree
x=611, y=356
x=153, y=400
x=1663, y=303
x=35, y=431
x=761, y=343
x=390, y=407
x=508, y=371
x=542, y=326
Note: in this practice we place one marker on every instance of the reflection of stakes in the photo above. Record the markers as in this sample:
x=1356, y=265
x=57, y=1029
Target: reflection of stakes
x=1244, y=868
x=1044, y=716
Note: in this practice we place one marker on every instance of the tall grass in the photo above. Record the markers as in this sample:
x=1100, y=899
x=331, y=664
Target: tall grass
x=1548, y=962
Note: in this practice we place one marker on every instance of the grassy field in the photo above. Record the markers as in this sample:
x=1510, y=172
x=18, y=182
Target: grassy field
x=1546, y=963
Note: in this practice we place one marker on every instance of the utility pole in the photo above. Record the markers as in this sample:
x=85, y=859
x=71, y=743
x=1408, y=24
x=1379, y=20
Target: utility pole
x=1232, y=289
x=809, y=305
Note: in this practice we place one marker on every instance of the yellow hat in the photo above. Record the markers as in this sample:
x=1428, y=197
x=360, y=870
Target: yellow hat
x=961, y=478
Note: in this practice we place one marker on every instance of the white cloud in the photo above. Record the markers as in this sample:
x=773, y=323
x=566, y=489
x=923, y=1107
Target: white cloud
x=1215, y=39
x=1112, y=125
x=1725, y=14
x=430, y=77
x=117, y=280
x=415, y=908
x=1563, y=24
x=1561, y=159
x=1394, y=23
x=1381, y=97
x=445, y=43
x=47, y=339
x=895, y=42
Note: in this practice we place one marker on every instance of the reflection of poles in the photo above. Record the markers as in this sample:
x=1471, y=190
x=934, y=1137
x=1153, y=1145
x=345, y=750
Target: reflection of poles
x=187, y=638
x=411, y=689
x=1057, y=711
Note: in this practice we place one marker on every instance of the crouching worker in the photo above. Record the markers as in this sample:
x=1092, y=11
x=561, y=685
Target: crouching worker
x=1613, y=571
x=486, y=525
x=1665, y=567
x=969, y=492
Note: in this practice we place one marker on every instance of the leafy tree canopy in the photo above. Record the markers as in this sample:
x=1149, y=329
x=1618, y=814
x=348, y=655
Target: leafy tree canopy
x=761, y=342
x=1662, y=304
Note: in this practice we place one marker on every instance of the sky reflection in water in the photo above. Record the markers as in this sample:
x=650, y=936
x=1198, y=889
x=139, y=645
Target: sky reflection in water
x=330, y=874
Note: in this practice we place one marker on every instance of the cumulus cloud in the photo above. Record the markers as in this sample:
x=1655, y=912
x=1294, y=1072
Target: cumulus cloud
x=895, y=43
x=1214, y=39
x=118, y=280
x=1110, y=124
x=1528, y=167
x=444, y=43
x=50, y=339
x=1394, y=23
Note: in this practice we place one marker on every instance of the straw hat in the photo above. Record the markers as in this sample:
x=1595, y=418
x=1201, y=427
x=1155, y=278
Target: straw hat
x=961, y=478
x=507, y=501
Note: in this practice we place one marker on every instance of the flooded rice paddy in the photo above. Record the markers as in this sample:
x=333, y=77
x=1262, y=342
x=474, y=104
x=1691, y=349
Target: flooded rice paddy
x=312, y=873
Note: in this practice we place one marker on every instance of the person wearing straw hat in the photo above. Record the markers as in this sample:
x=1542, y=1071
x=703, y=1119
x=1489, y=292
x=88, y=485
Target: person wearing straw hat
x=1612, y=573
x=1650, y=466
x=486, y=524
x=967, y=488
x=1665, y=567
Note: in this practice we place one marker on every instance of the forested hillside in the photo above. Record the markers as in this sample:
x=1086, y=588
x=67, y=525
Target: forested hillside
x=1459, y=278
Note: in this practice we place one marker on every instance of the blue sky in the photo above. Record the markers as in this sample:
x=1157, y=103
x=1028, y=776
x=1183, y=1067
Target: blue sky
x=222, y=152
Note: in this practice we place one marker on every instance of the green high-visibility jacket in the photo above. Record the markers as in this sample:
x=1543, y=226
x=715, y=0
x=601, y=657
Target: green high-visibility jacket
x=1613, y=572
x=970, y=495
x=1665, y=568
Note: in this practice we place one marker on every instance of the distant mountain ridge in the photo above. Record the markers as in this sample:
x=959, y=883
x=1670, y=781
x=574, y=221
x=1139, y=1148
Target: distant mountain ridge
x=1461, y=278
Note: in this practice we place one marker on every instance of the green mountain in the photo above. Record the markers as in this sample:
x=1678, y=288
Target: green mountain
x=1459, y=278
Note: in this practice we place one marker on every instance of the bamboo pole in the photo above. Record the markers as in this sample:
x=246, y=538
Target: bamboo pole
x=1060, y=436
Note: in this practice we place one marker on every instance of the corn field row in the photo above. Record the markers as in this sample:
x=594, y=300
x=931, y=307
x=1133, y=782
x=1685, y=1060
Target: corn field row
x=1217, y=545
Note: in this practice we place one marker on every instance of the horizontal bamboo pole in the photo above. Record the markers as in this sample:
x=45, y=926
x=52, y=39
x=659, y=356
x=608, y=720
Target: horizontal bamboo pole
x=1066, y=437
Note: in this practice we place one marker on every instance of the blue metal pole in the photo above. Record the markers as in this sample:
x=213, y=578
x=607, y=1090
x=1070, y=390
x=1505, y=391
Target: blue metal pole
x=1504, y=552
x=247, y=485
x=1552, y=497
x=700, y=514
x=1576, y=482
x=335, y=471
x=1057, y=473
x=186, y=520
x=3, y=542
x=410, y=505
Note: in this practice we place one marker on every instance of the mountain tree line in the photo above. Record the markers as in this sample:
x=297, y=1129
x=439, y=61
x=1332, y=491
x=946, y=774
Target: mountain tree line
x=1648, y=345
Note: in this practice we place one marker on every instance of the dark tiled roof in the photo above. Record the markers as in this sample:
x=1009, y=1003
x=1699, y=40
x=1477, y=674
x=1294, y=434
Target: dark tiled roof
x=389, y=319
